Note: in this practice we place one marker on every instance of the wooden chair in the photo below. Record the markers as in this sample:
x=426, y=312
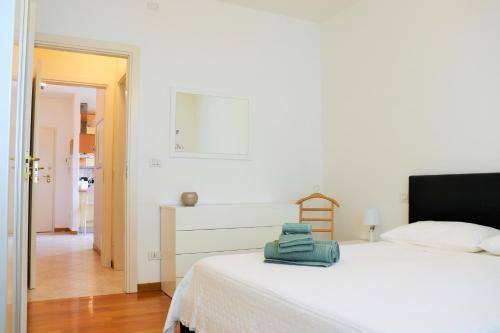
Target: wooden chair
x=330, y=209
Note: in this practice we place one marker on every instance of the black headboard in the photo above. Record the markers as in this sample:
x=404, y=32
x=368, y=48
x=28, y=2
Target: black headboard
x=473, y=198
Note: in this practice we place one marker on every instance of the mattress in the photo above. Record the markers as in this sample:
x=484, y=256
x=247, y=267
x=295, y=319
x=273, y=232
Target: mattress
x=376, y=287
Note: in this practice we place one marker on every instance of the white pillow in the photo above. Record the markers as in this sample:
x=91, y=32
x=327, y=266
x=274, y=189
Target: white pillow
x=492, y=245
x=458, y=236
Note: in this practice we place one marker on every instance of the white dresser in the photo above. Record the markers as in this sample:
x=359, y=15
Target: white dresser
x=191, y=233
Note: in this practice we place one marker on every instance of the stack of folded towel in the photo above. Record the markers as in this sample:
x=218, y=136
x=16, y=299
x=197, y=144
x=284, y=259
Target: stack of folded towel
x=295, y=237
x=296, y=246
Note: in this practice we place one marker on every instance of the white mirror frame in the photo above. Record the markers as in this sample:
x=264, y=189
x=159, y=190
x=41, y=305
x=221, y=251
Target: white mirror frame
x=178, y=154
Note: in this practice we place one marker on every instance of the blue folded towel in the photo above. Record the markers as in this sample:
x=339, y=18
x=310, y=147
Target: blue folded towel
x=324, y=254
x=295, y=239
x=296, y=248
x=295, y=242
x=296, y=228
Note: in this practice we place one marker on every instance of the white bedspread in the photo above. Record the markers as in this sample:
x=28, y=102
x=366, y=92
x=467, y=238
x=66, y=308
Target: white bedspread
x=376, y=287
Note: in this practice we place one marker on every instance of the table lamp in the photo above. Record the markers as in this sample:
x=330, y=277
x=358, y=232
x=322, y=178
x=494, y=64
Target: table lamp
x=372, y=219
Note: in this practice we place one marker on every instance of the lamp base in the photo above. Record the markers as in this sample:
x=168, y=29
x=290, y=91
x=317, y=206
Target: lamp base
x=372, y=229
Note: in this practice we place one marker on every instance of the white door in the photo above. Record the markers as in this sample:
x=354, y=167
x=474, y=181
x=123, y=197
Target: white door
x=17, y=40
x=11, y=41
x=43, y=197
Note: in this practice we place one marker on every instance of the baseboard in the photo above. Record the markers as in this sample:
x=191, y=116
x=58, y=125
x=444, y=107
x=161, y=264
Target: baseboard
x=144, y=287
x=66, y=230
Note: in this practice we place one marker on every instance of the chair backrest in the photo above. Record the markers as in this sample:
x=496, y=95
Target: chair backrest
x=330, y=210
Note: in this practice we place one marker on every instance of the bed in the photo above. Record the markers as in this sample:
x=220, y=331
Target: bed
x=380, y=287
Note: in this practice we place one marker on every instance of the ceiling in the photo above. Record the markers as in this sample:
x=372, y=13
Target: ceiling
x=87, y=94
x=311, y=10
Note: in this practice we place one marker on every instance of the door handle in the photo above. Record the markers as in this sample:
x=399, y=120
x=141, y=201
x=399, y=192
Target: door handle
x=31, y=168
x=48, y=179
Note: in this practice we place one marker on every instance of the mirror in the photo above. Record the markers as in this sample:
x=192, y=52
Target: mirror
x=210, y=126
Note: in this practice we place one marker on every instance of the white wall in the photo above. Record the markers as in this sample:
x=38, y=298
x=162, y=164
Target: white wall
x=58, y=111
x=209, y=45
x=409, y=87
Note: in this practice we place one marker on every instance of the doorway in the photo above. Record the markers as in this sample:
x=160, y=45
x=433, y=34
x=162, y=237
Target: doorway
x=22, y=164
x=77, y=214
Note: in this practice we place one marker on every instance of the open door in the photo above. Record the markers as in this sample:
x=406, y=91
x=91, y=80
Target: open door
x=12, y=39
x=35, y=190
x=119, y=176
x=18, y=36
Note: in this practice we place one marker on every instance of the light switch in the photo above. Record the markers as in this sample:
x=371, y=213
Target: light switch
x=404, y=197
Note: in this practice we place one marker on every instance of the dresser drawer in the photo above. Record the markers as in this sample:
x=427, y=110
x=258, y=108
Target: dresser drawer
x=185, y=261
x=234, y=216
x=224, y=239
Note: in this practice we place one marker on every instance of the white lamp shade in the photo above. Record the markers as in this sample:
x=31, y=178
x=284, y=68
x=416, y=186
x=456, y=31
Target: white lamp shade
x=372, y=217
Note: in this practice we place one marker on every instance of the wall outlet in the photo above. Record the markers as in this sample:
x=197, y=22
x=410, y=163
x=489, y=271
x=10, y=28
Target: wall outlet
x=154, y=255
x=155, y=163
x=153, y=5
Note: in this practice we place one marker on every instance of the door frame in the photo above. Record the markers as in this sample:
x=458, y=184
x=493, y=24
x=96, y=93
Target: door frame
x=21, y=173
x=131, y=53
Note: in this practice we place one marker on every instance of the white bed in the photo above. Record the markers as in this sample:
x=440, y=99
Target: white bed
x=376, y=287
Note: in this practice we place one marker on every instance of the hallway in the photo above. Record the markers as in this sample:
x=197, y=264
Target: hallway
x=67, y=266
